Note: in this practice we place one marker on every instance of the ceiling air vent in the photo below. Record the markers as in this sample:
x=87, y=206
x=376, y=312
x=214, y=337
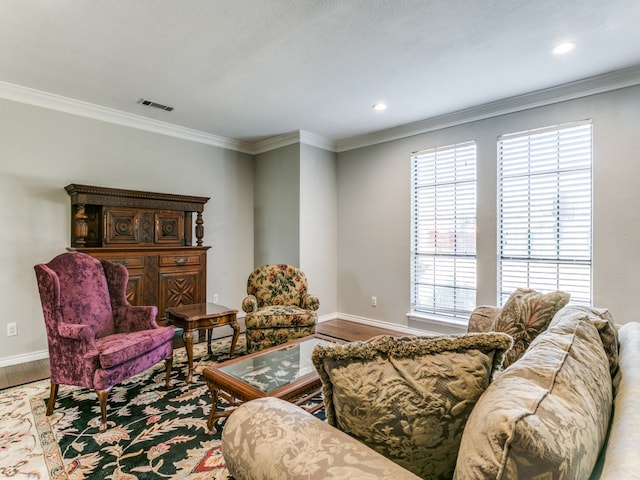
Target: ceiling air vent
x=149, y=103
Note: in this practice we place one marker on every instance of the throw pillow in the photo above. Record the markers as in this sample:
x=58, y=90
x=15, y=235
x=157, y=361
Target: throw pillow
x=409, y=399
x=604, y=323
x=526, y=314
x=547, y=416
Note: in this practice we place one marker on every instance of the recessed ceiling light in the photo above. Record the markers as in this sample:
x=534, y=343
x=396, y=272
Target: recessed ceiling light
x=563, y=48
x=379, y=106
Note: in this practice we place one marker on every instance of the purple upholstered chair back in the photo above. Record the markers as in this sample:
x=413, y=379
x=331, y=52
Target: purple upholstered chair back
x=84, y=292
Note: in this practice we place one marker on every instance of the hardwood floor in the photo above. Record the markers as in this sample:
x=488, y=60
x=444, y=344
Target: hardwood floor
x=14, y=375
x=352, y=331
x=24, y=373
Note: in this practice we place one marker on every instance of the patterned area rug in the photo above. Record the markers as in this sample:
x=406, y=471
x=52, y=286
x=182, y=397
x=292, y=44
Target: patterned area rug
x=153, y=433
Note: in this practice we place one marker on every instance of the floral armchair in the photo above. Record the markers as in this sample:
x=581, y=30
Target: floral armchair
x=278, y=306
x=96, y=338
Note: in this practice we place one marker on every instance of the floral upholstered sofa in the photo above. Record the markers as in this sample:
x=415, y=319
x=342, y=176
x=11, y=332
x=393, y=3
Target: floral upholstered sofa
x=566, y=407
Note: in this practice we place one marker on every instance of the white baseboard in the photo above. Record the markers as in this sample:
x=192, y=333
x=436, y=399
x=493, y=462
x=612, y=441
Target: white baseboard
x=23, y=358
x=327, y=317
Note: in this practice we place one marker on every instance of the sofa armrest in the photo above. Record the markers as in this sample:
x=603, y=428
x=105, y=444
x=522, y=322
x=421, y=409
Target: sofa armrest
x=79, y=338
x=619, y=458
x=482, y=318
x=269, y=438
x=250, y=303
x=310, y=302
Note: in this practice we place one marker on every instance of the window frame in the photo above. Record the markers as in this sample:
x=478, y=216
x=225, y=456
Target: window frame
x=436, y=308
x=568, y=178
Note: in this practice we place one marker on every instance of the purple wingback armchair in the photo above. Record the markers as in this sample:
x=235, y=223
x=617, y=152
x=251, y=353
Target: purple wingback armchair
x=96, y=338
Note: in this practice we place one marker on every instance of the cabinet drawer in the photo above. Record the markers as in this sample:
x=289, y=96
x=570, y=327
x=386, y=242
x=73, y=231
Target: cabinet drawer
x=129, y=261
x=179, y=260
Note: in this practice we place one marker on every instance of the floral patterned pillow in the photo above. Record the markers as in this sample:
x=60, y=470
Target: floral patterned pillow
x=526, y=314
x=409, y=399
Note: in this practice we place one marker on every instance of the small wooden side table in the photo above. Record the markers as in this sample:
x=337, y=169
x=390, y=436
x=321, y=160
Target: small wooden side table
x=202, y=315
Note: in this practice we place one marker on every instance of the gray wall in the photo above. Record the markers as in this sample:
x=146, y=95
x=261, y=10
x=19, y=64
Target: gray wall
x=295, y=215
x=42, y=150
x=343, y=218
x=374, y=208
x=318, y=225
x=277, y=206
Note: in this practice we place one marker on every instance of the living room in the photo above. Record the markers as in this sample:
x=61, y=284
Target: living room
x=298, y=182
x=341, y=209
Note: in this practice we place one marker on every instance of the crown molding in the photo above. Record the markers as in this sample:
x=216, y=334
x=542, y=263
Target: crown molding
x=30, y=96
x=318, y=141
x=299, y=136
x=273, y=143
x=568, y=91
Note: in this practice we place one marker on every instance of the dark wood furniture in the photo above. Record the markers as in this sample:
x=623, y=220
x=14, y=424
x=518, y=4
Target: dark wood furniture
x=202, y=315
x=246, y=377
x=151, y=234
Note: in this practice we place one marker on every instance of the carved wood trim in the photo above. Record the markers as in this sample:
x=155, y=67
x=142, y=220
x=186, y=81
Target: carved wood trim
x=99, y=202
x=88, y=194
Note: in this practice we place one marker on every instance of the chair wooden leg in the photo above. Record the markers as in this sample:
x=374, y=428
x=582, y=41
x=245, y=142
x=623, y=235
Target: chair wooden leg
x=53, y=393
x=169, y=362
x=102, y=397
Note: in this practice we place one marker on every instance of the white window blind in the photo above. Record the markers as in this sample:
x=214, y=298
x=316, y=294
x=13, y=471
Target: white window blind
x=545, y=211
x=443, y=253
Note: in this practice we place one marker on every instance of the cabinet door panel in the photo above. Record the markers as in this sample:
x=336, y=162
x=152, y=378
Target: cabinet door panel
x=180, y=286
x=121, y=226
x=169, y=228
x=135, y=287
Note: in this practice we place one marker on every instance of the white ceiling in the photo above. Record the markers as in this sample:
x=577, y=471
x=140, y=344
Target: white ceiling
x=253, y=69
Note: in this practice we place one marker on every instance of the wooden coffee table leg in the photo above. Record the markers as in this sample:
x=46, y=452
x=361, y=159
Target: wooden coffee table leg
x=213, y=390
x=188, y=344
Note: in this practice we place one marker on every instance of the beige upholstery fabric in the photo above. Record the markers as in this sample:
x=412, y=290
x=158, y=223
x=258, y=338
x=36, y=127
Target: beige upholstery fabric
x=482, y=318
x=622, y=456
x=603, y=321
x=408, y=399
x=270, y=439
x=525, y=315
x=547, y=415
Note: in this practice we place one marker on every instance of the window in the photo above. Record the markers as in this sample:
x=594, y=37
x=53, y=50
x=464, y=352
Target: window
x=544, y=201
x=443, y=253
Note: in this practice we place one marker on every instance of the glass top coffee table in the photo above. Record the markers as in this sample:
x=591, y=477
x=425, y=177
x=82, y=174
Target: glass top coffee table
x=284, y=371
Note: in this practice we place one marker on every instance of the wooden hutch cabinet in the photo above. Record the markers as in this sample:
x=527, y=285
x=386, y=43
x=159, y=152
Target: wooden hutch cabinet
x=151, y=235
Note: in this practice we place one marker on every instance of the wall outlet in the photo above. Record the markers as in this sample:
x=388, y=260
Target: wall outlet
x=374, y=301
x=215, y=298
x=12, y=329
